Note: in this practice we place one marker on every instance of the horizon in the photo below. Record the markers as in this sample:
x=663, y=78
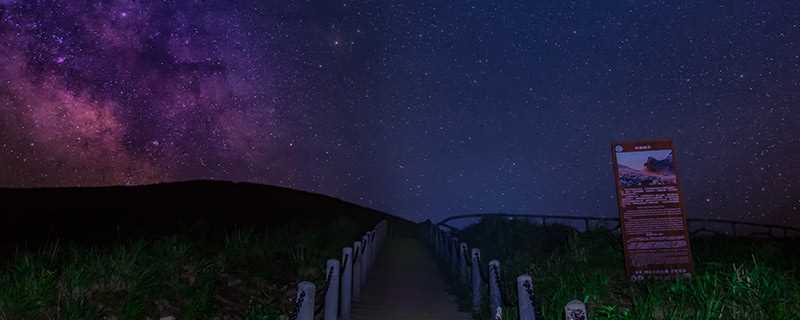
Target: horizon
x=461, y=222
x=423, y=110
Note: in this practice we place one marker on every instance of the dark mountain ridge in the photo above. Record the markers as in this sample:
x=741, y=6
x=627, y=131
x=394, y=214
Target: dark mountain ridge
x=198, y=208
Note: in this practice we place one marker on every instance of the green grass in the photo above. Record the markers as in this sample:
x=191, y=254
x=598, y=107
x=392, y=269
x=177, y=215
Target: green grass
x=735, y=278
x=248, y=274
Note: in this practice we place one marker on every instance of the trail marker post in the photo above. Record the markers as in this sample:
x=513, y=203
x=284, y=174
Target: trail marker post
x=495, y=295
x=347, y=283
x=476, y=278
x=525, y=298
x=575, y=310
x=454, y=255
x=373, y=248
x=305, y=300
x=365, y=252
x=462, y=263
x=332, y=293
x=357, y=270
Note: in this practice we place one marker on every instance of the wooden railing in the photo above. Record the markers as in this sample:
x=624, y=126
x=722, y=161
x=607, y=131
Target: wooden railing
x=466, y=266
x=465, y=263
x=343, y=280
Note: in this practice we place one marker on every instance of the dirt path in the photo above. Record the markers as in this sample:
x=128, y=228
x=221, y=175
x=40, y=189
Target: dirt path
x=405, y=284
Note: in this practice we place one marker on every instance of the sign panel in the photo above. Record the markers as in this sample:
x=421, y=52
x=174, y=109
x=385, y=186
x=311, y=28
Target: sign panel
x=654, y=231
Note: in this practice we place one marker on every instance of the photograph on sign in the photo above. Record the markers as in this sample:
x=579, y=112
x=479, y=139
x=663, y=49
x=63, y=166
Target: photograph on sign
x=646, y=169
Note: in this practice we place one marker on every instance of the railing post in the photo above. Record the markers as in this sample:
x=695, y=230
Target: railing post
x=439, y=243
x=383, y=231
x=444, y=255
x=379, y=233
x=332, y=293
x=375, y=246
x=373, y=249
x=305, y=300
x=435, y=239
x=495, y=294
x=454, y=254
x=525, y=298
x=356, y=270
x=476, y=278
x=364, y=259
x=448, y=256
x=462, y=263
x=442, y=244
x=347, y=282
x=575, y=310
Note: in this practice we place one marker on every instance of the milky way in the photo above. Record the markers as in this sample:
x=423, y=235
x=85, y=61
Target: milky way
x=133, y=92
x=421, y=109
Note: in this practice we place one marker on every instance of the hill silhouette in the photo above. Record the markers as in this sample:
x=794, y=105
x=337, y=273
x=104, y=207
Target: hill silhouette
x=198, y=208
x=193, y=250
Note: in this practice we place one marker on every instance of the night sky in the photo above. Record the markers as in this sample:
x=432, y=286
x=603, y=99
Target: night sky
x=422, y=109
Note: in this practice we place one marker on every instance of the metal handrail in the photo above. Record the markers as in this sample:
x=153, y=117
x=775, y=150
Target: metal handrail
x=587, y=219
x=440, y=238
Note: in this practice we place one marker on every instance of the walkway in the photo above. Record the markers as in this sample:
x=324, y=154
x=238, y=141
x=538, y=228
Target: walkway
x=406, y=285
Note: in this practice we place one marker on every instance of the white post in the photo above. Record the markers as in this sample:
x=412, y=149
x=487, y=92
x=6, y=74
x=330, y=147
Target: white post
x=454, y=254
x=462, y=263
x=373, y=249
x=384, y=230
x=365, y=259
x=495, y=294
x=498, y=314
x=356, y=270
x=439, y=241
x=445, y=244
x=347, y=282
x=525, y=298
x=305, y=300
x=575, y=310
x=476, y=279
x=332, y=293
x=377, y=236
x=446, y=250
x=379, y=232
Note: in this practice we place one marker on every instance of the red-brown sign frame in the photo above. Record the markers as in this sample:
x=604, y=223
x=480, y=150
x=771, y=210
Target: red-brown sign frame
x=655, y=234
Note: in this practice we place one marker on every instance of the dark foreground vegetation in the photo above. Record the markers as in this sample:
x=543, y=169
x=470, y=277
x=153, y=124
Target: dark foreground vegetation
x=735, y=278
x=198, y=250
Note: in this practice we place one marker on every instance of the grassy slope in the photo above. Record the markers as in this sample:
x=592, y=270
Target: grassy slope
x=195, y=250
x=734, y=278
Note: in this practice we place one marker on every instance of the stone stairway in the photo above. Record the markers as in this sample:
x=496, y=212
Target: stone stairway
x=405, y=284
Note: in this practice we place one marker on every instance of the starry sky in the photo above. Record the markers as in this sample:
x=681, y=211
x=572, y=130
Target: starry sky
x=422, y=109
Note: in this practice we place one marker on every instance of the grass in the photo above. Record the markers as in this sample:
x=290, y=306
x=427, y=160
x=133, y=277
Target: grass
x=735, y=278
x=246, y=274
